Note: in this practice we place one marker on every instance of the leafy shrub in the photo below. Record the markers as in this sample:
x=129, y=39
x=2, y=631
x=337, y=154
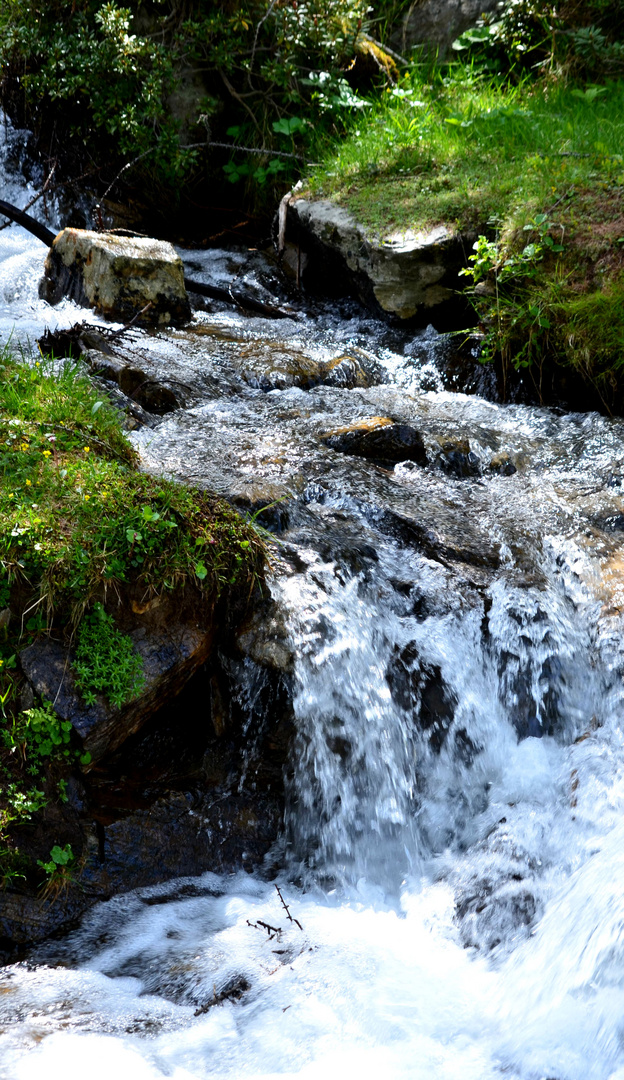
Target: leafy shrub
x=106, y=74
x=39, y=734
x=582, y=37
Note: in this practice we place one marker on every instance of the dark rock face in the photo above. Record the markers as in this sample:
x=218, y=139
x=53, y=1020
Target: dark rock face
x=188, y=778
x=379, y=439
x=170, y=654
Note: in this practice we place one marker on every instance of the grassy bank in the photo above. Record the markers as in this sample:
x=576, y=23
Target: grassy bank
x=82, y=530
x=538, y=169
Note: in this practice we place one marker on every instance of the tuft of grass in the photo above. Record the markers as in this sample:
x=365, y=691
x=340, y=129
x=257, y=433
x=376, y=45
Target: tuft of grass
x=77, y=520
x=106, y=662
x=591, y=330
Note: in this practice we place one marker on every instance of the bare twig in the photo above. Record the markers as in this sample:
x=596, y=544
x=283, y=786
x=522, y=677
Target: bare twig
x=128, y=165
x=255, y=42
x=287, y=909
x=272, y=931
x=237, y=97
x=244, y=149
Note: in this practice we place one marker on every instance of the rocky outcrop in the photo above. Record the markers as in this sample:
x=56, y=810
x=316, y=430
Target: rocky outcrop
x=117, y=276
x=410, y=275
x=435, y=24
x=170, y=654
x=181, y=784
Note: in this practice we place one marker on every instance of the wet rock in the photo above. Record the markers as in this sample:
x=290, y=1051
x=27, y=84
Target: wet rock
x=184, y=834
x=348, y=373
x=117, y=276
x=457, y=459
x=501, y=897
x=502, y=464
x=25, y=919
x=171, y=652
x=265, y=639
x=440, y=542
x=379, y=439
x=420, y=690
x=270, y=368
x=412, y=275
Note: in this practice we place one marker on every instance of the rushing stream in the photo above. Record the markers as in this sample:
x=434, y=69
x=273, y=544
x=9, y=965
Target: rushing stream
x=453, y=849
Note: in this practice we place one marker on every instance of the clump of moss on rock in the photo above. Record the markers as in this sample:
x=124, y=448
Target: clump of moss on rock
x=84, y=532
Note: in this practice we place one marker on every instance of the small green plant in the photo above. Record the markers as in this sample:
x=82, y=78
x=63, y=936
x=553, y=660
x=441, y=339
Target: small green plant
x=106, y=662
x=39, y=734
x=60, y=857
x=509, y=306
x=59, y=871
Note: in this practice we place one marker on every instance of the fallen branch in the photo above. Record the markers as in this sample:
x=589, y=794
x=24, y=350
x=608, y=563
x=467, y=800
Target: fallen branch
x=262, y=150
x=231, y=993
x=241, y=300
x=20, y=218
x=36, y=197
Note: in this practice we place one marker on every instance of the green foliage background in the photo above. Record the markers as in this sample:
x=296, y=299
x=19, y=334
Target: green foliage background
x=105, y=76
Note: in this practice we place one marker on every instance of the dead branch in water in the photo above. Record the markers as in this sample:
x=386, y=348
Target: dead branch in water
x=287, y=909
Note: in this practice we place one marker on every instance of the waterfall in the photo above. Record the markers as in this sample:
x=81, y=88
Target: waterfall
x=451, y=855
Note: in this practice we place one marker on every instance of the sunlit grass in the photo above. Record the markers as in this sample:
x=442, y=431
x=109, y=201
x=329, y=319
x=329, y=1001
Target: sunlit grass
x=461, y=149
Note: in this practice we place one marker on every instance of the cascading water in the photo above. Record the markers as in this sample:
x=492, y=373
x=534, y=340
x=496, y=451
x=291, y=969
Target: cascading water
x=453, y=842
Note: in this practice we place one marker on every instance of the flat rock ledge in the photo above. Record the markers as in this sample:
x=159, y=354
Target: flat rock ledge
x=117, y=276
x=412, y=275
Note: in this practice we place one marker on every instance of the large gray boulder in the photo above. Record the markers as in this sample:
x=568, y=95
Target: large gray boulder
x=117, y=276
x=436, y=24
x=410, y=275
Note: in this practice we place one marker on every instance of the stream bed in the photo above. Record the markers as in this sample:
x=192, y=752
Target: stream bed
x=449, y=574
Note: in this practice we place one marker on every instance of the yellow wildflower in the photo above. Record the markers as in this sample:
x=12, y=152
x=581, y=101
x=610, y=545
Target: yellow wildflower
x=86, y=449
x=28, y=483
x=46, y=453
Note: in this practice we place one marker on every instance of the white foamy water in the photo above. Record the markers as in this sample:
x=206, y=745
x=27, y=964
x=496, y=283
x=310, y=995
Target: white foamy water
x=453, y=846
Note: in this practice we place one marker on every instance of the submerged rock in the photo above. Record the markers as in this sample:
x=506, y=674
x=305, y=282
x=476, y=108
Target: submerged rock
x=502, y=464
x=273, y=368
x=457, y=459
x=412, y=275
x=379, y=439
x=117, y=276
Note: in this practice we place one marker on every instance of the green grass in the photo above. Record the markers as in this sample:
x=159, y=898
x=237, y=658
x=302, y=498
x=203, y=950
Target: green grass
x=466, y=150
x=80, y=526
x=76, y=516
